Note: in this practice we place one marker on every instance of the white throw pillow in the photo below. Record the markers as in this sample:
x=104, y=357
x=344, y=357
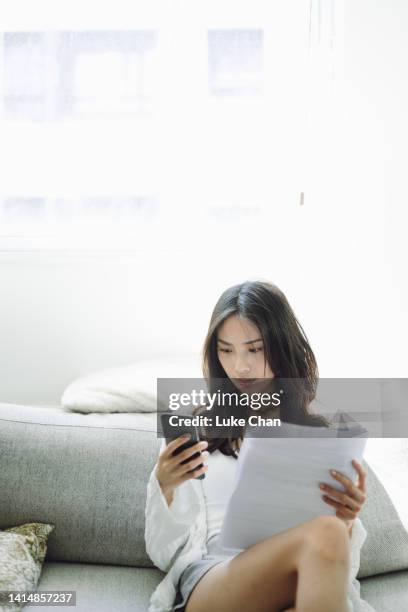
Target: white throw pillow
x=131, y=388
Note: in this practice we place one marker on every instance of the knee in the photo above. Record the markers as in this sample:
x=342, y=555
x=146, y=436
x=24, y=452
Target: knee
x=327, y=537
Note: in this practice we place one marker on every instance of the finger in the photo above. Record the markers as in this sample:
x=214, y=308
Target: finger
x=195, y=474
x=351, y=488
x=191, y=450
x=347, y=512
x=342, y=478
x=341, y=497
x=192, y=465
x=174, y=444
x=361, y=475
x=346, y=516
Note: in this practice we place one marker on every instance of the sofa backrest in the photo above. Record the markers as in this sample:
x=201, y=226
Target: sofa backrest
x=85, y=474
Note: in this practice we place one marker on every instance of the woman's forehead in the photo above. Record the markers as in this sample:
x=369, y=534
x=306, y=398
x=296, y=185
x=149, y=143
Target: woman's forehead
x=238, y=330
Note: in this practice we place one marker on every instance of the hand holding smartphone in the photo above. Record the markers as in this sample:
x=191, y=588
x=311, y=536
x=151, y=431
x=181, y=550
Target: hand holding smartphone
x=173, y=433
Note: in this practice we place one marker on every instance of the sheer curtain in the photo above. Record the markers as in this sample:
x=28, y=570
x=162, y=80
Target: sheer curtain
x=140, y=125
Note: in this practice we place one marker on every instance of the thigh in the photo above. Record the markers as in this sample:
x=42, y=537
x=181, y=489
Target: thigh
x=262, y=578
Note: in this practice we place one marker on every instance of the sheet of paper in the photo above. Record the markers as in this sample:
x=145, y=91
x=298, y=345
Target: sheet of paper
x=277, y=482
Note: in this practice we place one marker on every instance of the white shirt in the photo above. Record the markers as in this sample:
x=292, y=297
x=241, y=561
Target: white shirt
x=176, y=536
x=217, y=487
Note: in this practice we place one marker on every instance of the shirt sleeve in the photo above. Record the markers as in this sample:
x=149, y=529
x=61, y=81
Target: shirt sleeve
x=358, y=537
x=167, y=527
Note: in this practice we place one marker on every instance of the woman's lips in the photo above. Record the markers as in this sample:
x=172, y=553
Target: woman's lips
x=246, y=381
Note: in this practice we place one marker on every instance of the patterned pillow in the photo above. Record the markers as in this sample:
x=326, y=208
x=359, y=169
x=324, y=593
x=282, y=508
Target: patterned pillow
x=22, y=553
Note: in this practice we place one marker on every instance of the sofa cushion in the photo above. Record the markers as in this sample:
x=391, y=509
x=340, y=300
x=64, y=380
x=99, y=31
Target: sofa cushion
x=100, y=588
x=386, y=545
x=87, y=480
x=386, y=593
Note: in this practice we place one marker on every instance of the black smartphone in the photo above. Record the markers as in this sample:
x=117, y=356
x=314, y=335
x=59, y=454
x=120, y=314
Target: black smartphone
x=175, y=430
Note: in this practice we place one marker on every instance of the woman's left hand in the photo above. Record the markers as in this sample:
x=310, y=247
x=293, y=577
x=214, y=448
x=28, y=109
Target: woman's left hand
x=350, y=501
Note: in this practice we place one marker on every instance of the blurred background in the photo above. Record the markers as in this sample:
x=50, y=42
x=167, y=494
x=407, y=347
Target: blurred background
x=153, y=153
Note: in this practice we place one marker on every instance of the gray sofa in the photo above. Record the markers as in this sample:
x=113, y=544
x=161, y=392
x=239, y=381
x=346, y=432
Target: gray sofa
x=87, y=475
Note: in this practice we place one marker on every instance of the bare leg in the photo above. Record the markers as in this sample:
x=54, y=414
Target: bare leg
x=323, y=570
x=303, y=569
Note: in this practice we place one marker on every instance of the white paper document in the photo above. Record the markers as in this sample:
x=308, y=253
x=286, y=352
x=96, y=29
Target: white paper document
x=277, y=482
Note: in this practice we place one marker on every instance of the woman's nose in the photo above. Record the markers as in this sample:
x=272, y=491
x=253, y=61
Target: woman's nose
x=242, y=367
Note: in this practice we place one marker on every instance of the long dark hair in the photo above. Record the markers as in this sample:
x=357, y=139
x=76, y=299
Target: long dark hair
x=286, y=349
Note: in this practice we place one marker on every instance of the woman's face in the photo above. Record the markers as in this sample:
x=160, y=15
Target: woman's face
x=241, y=353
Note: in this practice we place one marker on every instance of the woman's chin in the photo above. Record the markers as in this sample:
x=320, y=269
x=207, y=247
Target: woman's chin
x=254, y=385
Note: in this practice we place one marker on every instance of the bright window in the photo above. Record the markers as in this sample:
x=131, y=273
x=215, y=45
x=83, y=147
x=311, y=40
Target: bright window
x=139, y=124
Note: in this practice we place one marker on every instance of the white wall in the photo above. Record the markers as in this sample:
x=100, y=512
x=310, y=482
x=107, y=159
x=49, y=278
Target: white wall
x=66, y=315
x=376, y=69
x=340, y=258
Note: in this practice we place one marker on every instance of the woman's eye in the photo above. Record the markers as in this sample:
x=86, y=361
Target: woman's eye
x=255, y=350
x=224, y=350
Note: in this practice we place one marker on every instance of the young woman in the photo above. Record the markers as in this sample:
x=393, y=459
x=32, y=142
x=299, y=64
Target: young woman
x=253, y=338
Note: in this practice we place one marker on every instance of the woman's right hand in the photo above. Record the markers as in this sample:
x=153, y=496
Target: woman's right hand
x=170, y=474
